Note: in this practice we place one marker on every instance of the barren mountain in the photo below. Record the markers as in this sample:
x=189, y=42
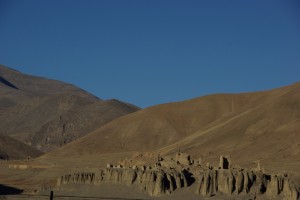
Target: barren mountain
x=249, y=126
x=133, y=154
x=47, y=114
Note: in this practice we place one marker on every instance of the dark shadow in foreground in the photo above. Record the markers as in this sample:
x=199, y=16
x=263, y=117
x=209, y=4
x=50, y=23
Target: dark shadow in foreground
x=6, y=190
x=9, y=84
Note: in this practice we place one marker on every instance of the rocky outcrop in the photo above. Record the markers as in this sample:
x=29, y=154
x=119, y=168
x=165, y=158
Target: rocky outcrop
x=153, y=181
x=233, y=182
x=80, y=177
x=279, y=184
x=172, y=173
x=224, y=162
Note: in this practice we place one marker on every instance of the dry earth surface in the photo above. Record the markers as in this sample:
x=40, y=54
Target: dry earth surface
x=260, y=126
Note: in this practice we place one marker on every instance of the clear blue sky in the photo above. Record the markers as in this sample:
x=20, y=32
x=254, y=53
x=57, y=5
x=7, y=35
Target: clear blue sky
x=152, y=52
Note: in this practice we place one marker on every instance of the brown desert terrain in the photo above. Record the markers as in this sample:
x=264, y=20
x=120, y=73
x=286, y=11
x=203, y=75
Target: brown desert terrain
x=251, y=126
x=172, y=151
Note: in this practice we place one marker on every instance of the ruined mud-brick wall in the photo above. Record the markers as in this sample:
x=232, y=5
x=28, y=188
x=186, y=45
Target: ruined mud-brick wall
x=180, y=159
x=173, y=173
x=235, y=182
x=153, y=181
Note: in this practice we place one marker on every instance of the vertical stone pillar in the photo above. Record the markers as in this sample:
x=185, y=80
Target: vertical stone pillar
x=224, y=162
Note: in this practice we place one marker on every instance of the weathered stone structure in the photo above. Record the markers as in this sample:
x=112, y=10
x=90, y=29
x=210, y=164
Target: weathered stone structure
x=225, y=162
x=153, y=181
x=172, y=173
x=180, y=159
x=235, y=182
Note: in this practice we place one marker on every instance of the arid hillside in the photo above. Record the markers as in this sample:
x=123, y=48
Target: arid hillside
x=48, y=114
x=249, y=126
x=134, y=154
x=14, y=149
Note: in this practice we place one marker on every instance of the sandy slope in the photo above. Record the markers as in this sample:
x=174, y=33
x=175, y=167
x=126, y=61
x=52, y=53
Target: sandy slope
x=261, y=126
x=251, y=126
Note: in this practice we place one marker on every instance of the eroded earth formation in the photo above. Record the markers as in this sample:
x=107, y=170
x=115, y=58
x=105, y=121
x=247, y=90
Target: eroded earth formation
x=172, y=173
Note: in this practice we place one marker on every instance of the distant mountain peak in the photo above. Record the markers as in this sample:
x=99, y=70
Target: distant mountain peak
x=32, y=108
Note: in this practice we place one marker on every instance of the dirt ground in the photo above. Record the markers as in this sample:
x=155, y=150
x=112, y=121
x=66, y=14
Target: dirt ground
x=38, y=177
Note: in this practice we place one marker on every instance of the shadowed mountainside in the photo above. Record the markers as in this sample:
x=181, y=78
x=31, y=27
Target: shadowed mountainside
x=249, y=126
x=47, y=114
x=11, y=149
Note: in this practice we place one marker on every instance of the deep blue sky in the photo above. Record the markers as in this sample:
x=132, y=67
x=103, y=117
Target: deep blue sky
x=152, y=52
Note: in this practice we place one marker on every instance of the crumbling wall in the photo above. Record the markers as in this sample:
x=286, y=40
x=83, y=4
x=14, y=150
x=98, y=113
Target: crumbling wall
x=153, y=181
x=234, y=182
x=77, y=177
x=225, y=162
x=172, y=173
x=182, y=159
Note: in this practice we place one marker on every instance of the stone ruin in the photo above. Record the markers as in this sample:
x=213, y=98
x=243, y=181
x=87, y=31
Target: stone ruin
x=180, y=159
x=171, y=173
x=153, y=181
x=225, y=162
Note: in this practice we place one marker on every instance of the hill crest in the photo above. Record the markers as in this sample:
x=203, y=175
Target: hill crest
x=248, y=126
x=47, y=114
